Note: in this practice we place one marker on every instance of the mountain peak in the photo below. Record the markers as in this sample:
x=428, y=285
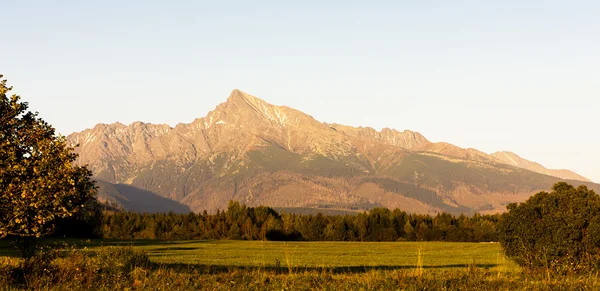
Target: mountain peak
x=245, y=105
x=238, y=95
x=249, y=150
x=236, y=92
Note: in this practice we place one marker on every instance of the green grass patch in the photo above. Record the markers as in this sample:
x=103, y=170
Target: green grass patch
x=315, y=255
x=437, y=255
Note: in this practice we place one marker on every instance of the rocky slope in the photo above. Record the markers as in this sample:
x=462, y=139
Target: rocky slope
x=515, y=160
x=249, y=150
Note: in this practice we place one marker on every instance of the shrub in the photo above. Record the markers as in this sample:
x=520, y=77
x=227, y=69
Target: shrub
x=77, y=269
x=557, y=231
x=103, y=266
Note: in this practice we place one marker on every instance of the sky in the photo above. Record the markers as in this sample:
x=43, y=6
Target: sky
x=520, y=76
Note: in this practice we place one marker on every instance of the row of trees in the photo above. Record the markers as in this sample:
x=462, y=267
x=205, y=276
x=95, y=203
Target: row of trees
x=264, y=223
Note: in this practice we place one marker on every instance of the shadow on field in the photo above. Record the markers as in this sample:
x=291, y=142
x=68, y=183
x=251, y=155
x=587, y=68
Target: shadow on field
x=175, y=249
x=217, y=269
x=141, y=243
x=7, y=249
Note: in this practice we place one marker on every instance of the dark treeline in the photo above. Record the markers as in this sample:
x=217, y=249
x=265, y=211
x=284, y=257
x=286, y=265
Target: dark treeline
x=264, y=223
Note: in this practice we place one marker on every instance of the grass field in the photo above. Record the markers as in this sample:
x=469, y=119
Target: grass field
x=378, y=255
x=329, y=254
x=264, y=265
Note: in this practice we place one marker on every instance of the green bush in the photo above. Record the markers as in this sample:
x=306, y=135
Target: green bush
x=557, y=231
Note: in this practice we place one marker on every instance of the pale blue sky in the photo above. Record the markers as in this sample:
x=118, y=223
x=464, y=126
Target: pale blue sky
x=522, y=76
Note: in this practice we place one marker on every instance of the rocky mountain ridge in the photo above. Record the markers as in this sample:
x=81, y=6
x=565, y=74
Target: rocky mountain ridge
x=517, y=161
x=249, y=150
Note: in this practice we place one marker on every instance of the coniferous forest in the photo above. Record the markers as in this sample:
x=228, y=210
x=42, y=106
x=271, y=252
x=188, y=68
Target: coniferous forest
x=240, y=222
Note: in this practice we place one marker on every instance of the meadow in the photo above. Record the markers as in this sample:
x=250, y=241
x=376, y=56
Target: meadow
x=266, y=265
x=339, y=255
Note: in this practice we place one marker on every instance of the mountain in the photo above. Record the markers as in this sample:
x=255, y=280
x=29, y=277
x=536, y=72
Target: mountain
x=515, y=160
x=261, y=154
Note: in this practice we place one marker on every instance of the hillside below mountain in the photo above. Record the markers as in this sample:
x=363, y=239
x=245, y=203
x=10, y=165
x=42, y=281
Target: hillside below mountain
x=261, y=154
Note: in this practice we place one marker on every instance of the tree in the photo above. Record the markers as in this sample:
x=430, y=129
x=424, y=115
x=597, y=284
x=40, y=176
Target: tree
x=557, y=231
x=39, y=182
x=409, y=231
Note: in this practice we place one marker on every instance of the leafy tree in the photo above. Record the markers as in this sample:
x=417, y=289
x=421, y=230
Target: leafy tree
x=409, y=231
x=557, y=231
x=38, y=181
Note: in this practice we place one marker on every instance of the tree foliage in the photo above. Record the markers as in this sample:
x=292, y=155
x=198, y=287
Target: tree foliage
x=264, y=223
x=556, y=231
x=38, y=181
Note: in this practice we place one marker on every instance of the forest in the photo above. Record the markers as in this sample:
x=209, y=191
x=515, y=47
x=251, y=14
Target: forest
x=240, y=222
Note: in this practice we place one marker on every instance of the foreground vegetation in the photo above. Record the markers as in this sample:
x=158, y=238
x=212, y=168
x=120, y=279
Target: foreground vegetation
x=261, y=265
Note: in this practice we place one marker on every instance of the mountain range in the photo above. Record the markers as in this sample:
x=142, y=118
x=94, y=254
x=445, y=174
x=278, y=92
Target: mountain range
x=261, y=154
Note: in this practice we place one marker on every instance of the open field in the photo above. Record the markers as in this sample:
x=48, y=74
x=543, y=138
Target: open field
x=264, y=265
x=369, y=255
x=390, y=255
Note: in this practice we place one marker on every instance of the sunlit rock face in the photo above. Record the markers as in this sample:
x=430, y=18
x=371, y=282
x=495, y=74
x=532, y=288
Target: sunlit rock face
x=262, y=154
